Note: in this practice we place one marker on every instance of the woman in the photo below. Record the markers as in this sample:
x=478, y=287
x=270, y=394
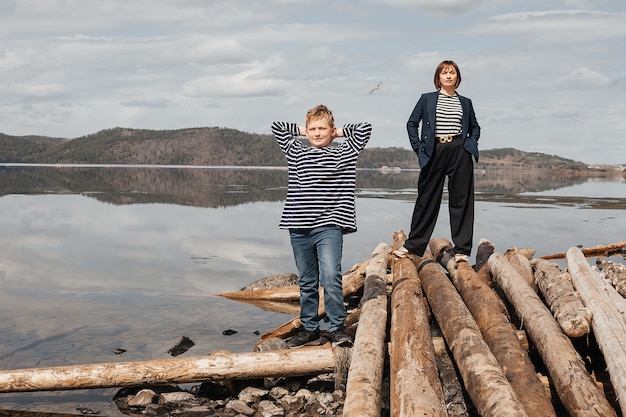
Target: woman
x=445, y=145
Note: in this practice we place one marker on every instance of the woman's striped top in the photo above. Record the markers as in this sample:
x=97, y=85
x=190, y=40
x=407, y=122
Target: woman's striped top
x=449, y=115
x=322, y=181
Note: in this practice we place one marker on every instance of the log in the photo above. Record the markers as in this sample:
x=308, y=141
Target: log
x=290, y=293
x=415, y=388
x=600, y=250
x=354, y=279
x=522, y=265
x=564, y=302
x=500, y=335
x=527, y=253
x=576, y=389
x=617, y=300
x=364, y=385
x=219, y=366
x=614, y=272
x=608, y=326
x=484, y=380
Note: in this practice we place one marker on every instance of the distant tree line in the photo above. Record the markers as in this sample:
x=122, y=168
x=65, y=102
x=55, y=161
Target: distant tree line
x=220, y=146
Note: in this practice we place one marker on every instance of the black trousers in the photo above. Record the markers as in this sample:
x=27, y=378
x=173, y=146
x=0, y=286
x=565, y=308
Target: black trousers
x=449, y=160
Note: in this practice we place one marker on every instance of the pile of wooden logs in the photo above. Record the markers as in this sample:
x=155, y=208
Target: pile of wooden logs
x=536, y=370
x=517, y=330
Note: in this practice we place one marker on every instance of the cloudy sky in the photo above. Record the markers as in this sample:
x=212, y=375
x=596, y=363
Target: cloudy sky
x=545, y=76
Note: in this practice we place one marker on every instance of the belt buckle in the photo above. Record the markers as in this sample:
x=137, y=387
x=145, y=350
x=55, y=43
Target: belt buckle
x=445, y=139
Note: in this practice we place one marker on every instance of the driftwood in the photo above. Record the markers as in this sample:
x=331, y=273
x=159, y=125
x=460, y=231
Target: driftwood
x=364, y=386
x=415, y=388
x=613, y=272
x=290, y=293
x=565, y=303
x=354, y=279
x=492, y=319
x=608, y=326
x=618, y=301
x=522, y=265
x=484, y=379
x=219, y=366
x=576, y=389
x=527, y=253
x=601, y=250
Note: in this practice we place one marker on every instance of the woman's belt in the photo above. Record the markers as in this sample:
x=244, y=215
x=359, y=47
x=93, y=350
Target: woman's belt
x=448, y=139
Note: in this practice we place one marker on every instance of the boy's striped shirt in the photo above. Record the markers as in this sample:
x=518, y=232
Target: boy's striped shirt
x=322, y=181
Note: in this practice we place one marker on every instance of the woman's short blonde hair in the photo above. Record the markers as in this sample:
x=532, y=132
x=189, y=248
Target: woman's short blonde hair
x=441, y=67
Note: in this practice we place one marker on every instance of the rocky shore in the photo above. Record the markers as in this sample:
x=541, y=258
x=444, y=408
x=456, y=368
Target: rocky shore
x=322, y=395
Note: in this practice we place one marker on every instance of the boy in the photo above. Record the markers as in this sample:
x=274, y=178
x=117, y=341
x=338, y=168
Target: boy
x=319, y=210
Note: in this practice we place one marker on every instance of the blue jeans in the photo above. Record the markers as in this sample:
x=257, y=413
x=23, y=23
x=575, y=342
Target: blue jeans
x=317, y=253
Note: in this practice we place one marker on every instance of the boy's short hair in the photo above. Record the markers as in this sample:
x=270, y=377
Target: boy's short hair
x=320, y=112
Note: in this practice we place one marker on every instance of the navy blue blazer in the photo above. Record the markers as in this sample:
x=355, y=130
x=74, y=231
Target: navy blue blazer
x=423, y=143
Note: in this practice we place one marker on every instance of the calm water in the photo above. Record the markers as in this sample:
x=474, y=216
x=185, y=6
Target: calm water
x=93, y=259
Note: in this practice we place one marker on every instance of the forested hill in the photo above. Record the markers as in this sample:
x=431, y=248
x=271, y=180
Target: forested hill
x=216, y=146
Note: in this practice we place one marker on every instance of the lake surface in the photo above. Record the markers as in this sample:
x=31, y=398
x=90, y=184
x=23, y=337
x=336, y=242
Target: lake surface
x=94, y=259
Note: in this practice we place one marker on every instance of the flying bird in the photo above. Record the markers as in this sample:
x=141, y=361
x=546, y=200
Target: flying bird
x=375, y=88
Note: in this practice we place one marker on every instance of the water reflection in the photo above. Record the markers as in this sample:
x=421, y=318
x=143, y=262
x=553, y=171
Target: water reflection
x=223, y=187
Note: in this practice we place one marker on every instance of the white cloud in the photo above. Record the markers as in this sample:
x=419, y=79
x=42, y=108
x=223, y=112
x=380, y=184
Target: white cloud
x=33, y=90
x=583, y=78
x=557, y=26
x=450, y=6
x=246, y=83
x=218, y=51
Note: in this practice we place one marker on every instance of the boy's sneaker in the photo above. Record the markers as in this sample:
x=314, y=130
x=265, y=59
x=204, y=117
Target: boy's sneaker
x=305, y=338
x=340, y=338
